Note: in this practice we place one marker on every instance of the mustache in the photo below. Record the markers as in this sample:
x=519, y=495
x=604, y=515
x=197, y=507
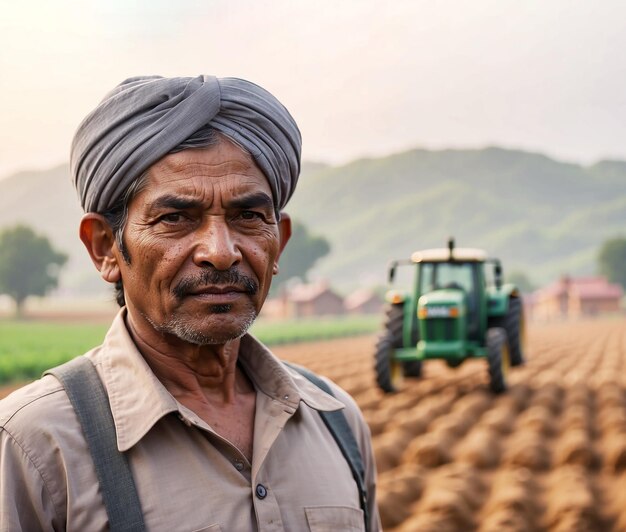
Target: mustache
x=213, y=277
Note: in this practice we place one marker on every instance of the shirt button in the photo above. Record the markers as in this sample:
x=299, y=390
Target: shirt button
x=261, y=491
x=238, y=465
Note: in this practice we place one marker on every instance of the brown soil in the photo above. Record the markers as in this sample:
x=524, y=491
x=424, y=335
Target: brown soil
x=550, y=454
x=6, y=390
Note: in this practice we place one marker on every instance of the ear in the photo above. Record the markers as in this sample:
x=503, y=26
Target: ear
x=99, y=240
x=284, y=231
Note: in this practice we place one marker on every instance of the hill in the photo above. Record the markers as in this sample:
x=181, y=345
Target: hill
x=538, y=215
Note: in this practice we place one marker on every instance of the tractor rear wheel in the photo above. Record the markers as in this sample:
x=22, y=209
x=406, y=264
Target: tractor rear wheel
x=515, y=328
x=393, y=325
x=497, y=359
x=389, y=371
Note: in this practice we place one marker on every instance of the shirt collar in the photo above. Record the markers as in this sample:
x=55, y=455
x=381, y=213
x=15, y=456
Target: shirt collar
x=274, y=379
x=138, y=399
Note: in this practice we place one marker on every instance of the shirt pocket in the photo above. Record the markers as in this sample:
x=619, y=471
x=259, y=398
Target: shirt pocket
x=334, y=518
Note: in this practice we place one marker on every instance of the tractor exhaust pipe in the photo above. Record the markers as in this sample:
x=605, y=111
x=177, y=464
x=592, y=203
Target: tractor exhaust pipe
x=451, y=248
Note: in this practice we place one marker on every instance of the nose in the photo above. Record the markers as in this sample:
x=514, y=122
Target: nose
x=216, y=246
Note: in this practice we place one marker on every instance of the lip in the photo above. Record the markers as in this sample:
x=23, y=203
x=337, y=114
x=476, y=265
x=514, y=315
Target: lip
x=218, y=294
x=216, y=290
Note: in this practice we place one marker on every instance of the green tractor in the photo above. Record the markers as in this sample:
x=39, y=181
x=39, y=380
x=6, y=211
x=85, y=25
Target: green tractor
x=451, y=313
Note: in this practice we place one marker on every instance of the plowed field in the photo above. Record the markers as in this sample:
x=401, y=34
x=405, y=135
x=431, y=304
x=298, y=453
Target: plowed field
x=548, y=455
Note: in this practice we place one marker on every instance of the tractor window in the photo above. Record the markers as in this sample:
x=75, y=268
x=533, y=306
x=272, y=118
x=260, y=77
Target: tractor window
x=450, y=274
x=489, y=278
x=427, y=280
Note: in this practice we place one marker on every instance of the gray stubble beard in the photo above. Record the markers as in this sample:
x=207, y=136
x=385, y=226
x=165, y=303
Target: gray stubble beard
x=180, y=327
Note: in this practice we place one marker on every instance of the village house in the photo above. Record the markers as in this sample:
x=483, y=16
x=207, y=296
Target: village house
x=363, y=301
x=317, y=299
x=575, y=297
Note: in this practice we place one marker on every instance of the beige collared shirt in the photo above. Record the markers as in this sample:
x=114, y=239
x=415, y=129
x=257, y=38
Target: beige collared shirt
x=188, y=477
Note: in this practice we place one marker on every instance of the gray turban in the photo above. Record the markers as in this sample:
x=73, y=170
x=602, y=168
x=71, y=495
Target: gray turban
x=145, y=118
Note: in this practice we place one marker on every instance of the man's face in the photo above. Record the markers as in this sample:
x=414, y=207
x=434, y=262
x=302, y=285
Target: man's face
x=204, y=242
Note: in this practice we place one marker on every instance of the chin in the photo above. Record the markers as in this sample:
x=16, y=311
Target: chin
x=221, y=328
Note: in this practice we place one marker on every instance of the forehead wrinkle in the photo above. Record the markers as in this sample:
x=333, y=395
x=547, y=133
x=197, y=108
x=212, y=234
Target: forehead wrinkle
x=195, y=169
x=202, y=191
x=234, y=154
x=194, y=184
x=198, y=172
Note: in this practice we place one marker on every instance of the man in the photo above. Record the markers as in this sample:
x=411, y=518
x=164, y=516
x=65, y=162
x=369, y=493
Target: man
x=183, y=181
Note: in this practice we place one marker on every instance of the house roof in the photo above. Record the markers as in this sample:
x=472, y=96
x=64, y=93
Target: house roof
x=309, y=292
x=582, y=288
x=361, y=297
x=598, y=290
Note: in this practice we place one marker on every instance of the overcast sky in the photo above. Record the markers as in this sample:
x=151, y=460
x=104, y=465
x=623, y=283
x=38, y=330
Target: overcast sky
x=361, y=77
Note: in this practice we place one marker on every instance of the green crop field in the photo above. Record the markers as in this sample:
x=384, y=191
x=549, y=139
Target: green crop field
x=28, y=348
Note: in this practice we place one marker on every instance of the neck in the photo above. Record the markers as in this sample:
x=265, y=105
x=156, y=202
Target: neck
x=205, y=374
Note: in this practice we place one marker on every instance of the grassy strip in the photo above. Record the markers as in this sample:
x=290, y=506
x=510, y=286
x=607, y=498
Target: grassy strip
x=29, y=348
x=291, y=331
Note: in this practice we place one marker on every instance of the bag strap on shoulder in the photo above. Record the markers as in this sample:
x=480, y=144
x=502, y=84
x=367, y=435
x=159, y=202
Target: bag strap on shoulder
x=337, y=425
x=89, y=399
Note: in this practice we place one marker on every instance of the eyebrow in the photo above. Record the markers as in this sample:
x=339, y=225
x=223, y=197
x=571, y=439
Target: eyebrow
x=249, y=201
x=170, y=201
x=252, y=201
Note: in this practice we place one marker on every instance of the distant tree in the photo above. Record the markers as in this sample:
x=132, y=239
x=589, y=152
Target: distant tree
x=301, y=254
x=28, y=264
x=521, y=280
x=612, y=260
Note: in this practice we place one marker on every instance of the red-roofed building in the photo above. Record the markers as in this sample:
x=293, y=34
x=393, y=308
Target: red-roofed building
x=316, y=299
x=573, y=297
x=364, y=301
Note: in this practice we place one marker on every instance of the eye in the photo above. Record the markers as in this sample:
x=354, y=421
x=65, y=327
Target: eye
x=250, y=215
x=172, y=218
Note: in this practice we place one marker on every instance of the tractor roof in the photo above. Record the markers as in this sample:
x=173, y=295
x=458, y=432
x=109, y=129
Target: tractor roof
x=443, y=255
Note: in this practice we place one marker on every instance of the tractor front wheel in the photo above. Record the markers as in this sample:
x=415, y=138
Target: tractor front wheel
x=497, y=359
x=388, y=370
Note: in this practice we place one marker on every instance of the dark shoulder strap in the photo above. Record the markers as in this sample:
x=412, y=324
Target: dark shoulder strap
x=89, y=399
x=342, y=433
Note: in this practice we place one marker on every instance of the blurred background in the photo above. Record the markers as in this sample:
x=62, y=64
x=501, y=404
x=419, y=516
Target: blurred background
x=498, y=122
